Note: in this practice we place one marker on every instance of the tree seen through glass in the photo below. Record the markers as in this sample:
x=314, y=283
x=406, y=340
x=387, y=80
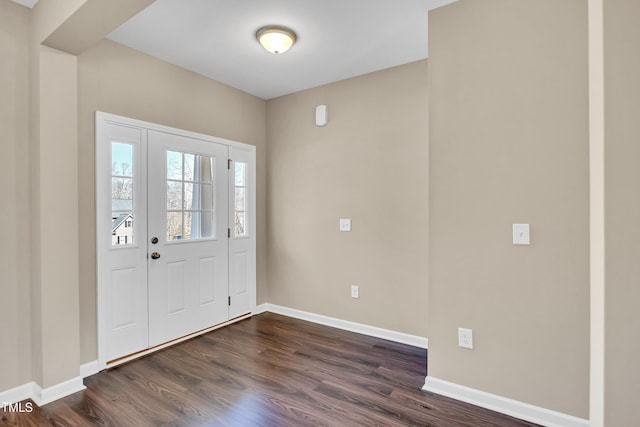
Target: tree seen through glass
x=240, y=199
x=190, y=196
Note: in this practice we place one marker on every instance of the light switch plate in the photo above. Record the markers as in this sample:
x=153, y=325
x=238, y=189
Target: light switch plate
x=345, y=224
x=355, y=291
x=520, y=234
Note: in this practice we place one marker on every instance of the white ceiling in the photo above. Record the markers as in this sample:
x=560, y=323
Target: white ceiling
x=28, y=3
x=337, y=39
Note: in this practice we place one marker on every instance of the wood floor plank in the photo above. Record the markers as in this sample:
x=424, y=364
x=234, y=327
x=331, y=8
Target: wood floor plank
x=269, y=370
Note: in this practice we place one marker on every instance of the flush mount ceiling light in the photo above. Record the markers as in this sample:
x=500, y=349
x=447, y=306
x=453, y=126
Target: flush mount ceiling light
x=276, y=39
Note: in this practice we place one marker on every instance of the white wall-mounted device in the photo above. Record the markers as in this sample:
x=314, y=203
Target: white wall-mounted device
x=355, y=291
x=321, y=115
x=520, y=234
x=465, y=338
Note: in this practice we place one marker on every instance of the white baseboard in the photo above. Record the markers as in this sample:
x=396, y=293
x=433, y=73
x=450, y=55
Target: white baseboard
x=514, y=408
x=88, y=369
x=359, y=328
x=39, y=395
x=261, y=309
x=47, y=395
x=18, y=394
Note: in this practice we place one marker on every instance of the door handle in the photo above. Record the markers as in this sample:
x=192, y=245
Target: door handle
x=155, y=255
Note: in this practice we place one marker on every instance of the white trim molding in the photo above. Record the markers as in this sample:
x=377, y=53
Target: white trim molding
x=514, y=408
x=18, y=394
x=42, y=396
x=262, y=308
x=346, y=325
x=47, y=395
x=88, y=369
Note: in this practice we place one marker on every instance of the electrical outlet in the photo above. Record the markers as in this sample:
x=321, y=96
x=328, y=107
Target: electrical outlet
x=465, y=338
x=355, y=291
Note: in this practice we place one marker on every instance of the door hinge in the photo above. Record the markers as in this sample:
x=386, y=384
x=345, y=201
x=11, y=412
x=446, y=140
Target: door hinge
x=228, y=233
x=229, y=300
x=229, y=164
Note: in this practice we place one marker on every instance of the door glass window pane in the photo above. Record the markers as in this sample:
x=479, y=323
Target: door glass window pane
x=174, y=195
x=189, y=166
x=240, y=199
x=239, y=224
x=205, y=201
x=206, y=224
x=122, y=191
x=174, y=226
x=121, y=159
x=206, y=169
x=240, y=173
x=174, y=165
x=189, y=225
x=190, y=195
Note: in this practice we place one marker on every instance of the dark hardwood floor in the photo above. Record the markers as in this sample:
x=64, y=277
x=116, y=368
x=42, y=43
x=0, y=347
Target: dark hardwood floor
x=269, y=370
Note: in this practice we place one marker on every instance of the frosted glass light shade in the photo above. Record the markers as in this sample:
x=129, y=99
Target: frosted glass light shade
x=276, y=39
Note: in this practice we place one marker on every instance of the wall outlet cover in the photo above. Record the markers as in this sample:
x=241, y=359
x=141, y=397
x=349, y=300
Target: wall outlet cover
x=465, y=338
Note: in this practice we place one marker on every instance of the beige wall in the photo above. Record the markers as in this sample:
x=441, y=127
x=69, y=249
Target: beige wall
x=53, y=170
x=15, y=347
x=622, y=210
x=509, y=144
x=119, y=80
x=368, y=164
x=57, y=245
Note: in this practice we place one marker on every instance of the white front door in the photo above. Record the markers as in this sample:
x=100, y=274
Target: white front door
x=188, y=238
x=175, y=234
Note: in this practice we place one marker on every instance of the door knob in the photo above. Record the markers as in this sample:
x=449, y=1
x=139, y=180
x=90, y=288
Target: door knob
x=155, y=255
x=154, y=240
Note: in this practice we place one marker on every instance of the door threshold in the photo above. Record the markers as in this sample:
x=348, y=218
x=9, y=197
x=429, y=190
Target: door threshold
x=134, y=356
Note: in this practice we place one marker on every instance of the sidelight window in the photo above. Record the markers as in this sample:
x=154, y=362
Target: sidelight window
x=122, y=185
x=240, y=199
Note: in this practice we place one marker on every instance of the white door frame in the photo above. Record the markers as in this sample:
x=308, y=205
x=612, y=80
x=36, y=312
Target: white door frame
x=103, y=204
